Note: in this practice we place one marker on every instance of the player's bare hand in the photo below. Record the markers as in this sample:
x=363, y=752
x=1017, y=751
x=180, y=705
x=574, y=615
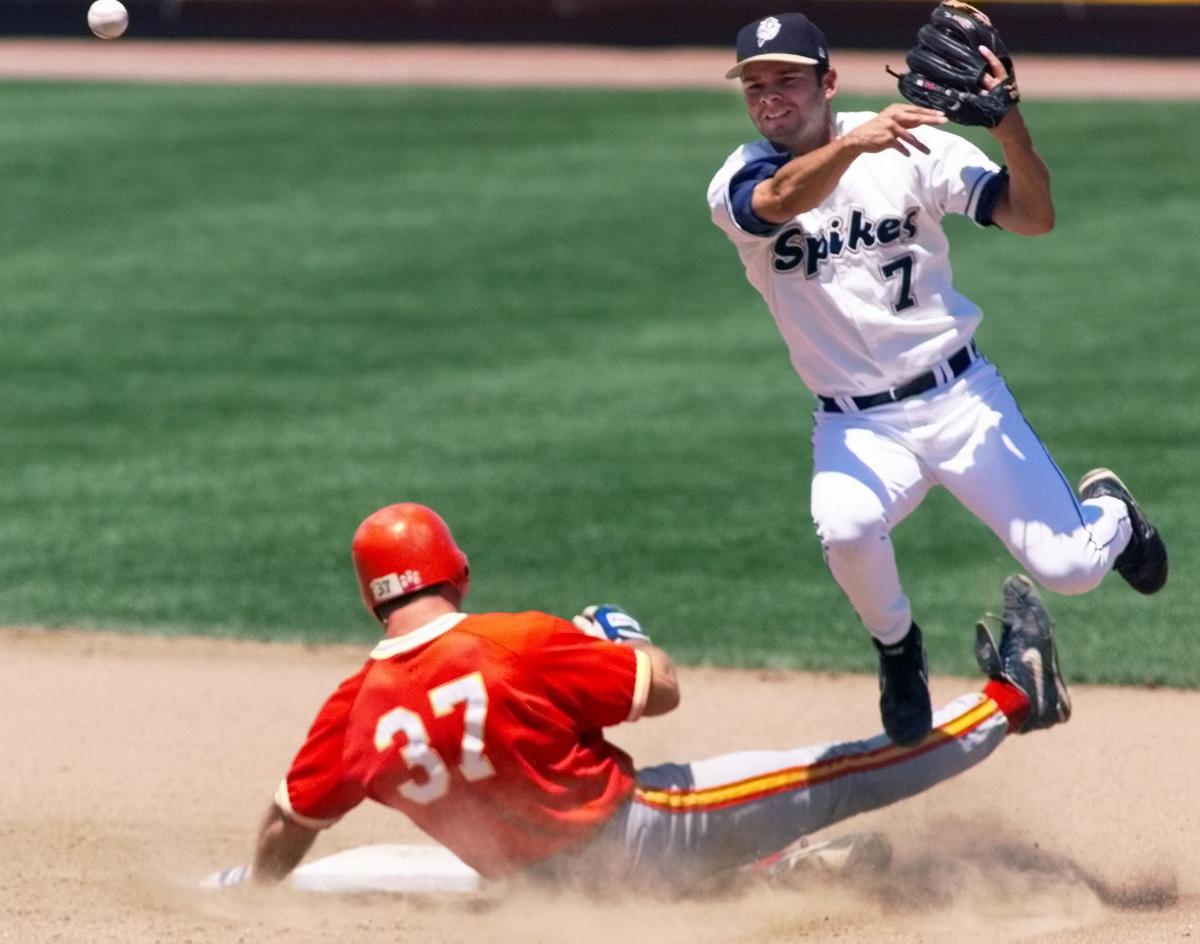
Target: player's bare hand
x=996, y=73
x=892, y=129
x=996, y=76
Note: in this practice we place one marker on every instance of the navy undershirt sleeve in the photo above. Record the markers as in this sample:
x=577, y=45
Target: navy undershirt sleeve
x=741, y=192
x=987, y=200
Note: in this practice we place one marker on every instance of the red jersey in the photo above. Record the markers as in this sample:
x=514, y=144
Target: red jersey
x=484, y=730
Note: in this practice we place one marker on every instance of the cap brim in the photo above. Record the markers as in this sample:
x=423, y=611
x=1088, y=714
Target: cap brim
x=736, y=71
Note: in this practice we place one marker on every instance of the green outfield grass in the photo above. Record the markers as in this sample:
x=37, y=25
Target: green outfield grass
x=239, y=319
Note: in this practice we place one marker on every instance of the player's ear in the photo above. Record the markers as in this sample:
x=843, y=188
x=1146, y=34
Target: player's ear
x=829, y=83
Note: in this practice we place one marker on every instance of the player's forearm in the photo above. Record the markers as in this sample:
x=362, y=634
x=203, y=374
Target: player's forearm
x=1028, y=207
x=663, y=694
x=281, y=845
x=803, y=182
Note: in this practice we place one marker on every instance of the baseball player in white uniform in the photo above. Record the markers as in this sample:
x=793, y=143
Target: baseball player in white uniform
x=837, y=220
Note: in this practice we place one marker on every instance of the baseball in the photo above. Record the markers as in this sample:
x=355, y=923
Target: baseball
x=108, y=19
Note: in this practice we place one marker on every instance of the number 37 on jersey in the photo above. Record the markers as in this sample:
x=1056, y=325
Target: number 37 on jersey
x=419, y=753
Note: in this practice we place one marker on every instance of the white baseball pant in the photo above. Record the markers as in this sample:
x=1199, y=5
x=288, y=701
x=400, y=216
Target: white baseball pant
x=872, y=468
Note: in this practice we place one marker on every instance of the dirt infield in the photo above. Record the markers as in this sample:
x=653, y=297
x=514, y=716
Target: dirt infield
x=134, y=766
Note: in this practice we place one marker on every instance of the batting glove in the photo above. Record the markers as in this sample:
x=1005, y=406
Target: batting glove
x=610, y=622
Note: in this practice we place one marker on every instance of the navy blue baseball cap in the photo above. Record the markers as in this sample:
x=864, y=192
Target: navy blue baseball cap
x=785, y=37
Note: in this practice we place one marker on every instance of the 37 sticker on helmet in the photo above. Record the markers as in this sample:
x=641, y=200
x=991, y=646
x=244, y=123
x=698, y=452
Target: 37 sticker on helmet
x=392, y=585
x=384, y=587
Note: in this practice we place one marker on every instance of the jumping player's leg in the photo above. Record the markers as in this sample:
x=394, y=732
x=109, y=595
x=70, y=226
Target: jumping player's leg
x=690, y=821
x=864, y=484
x=1001, y=471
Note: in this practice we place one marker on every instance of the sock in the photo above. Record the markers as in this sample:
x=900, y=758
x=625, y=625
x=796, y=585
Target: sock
x=1012, y=701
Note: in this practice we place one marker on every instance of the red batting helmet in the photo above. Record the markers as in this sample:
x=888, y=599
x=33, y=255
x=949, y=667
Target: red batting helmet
x=404, y=548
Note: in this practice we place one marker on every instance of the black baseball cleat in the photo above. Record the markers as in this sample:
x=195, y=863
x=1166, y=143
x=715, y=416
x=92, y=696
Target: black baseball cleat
x=904, y=689
x=1143, y=563
x=1026, y=656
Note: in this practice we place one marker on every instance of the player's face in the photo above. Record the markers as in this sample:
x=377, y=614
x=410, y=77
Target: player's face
x=787, y=102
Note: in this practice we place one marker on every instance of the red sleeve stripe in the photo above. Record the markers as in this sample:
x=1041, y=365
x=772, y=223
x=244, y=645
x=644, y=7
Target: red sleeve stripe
x=791, y=778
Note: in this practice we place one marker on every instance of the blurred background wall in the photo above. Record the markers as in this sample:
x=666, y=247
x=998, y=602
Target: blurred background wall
x=1142, y=27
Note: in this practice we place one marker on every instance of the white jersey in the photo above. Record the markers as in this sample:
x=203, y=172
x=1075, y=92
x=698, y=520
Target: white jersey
x=861, y=285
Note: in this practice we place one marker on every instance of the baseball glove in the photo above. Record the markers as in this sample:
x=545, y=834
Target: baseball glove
x=947, y=68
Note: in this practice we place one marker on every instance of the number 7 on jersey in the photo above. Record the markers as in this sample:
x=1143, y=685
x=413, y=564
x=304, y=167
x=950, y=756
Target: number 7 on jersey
x=902, y=266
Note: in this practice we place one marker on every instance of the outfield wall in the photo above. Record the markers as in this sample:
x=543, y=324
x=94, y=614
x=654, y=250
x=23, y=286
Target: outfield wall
x=1140, y=27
